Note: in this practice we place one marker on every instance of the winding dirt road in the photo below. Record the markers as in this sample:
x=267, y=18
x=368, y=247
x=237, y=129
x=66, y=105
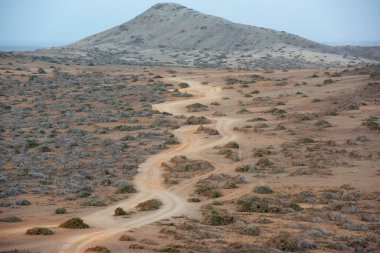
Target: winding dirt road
x=149, y=181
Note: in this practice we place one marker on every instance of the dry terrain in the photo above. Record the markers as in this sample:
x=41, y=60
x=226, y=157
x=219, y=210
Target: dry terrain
x=198, y=160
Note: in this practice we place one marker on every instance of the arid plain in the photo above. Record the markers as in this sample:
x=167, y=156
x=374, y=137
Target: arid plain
x=223, y=161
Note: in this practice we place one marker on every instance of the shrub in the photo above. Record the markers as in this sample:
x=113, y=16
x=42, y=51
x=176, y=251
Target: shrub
x=183, y=85
x=306, y=140
x=285, y=242
x=41, y=71
x=60, y=210
x=74, y=223
x=264, y=190
x=136, y=246
x=257, y=119
x=244, y=111
x=264, y=220
x=127, y=238
x=23, y=202
x=169, y=249
x=322, y=124
x=39, y=231
x=10, y=219
x=245, y=168
x=214, y=217
x=193, y=200
x=31, y=144
x=231, y=144
x=152, y=204
x=126, y=189
x=372, y=123
x=250, y=230
x=317, y=100
x=101, y=249
x=197, y=107
x=197, y=121
x=328, y=81
x=120, y=212
x=93, y=203
x=353, y=107
x=264, y=162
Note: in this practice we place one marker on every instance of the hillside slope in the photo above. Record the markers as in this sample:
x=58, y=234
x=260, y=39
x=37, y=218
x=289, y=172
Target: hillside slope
x=171, y=34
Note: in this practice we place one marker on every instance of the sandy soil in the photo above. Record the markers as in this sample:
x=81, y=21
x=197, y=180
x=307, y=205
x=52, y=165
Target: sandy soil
x=105, y=228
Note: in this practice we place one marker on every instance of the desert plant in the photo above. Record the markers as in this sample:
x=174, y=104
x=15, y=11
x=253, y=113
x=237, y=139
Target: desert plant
x=60, y=210
x=183, y=85
x=39, y=231
x=126, y=189
x=231, y=144
x=193, y=200
x=250, y=230
x=149, y=205
x=10, y=219
x=74, y=223
x=120, y=212
x=127, y=238
x=94, y=202
x=263, y=190
x=23, y=202
x=100, y=249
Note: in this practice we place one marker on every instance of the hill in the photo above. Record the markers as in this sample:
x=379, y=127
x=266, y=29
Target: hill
x=171, y=34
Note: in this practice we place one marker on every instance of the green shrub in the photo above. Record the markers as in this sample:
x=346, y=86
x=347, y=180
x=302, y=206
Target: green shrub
x=11, y=219
x=120, y=212
x=74, y=223
x=264, y=220
x=257, y=119
x=232, y=144
x=353, y=107
x=152, y=204
x=264, y=190
x=285, y=242
x=93, y=203
x=372, y=123
x=23, y=202
x=193, y=200
x=100, y=249
x=215, y=217
x=31, y=144
x=192, y=120
x=127, y=238
x=250, y=230
x=322, y=124
x=306, y=140
x=39, y=231
x=328, y=81
x=126, y=189
x=61, y=210
x=183, y=85
x=264, y=162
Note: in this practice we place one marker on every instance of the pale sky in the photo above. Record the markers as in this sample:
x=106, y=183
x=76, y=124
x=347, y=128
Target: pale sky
x=59, y=22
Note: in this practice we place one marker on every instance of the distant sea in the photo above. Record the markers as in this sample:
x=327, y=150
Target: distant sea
x=19, y=48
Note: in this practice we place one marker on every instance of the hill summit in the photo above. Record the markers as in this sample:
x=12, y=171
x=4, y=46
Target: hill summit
x=171, y=34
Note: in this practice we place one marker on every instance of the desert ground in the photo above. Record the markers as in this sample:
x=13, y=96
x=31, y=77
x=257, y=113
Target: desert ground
x=229, y=161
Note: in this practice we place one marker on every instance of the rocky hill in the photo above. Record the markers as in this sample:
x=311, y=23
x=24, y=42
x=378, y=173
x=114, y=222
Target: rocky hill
x=171, y=34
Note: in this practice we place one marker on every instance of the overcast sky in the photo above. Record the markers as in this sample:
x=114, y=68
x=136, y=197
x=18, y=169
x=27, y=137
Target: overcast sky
x=59, y=22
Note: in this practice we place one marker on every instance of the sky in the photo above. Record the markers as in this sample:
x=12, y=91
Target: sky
x=59, y=22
